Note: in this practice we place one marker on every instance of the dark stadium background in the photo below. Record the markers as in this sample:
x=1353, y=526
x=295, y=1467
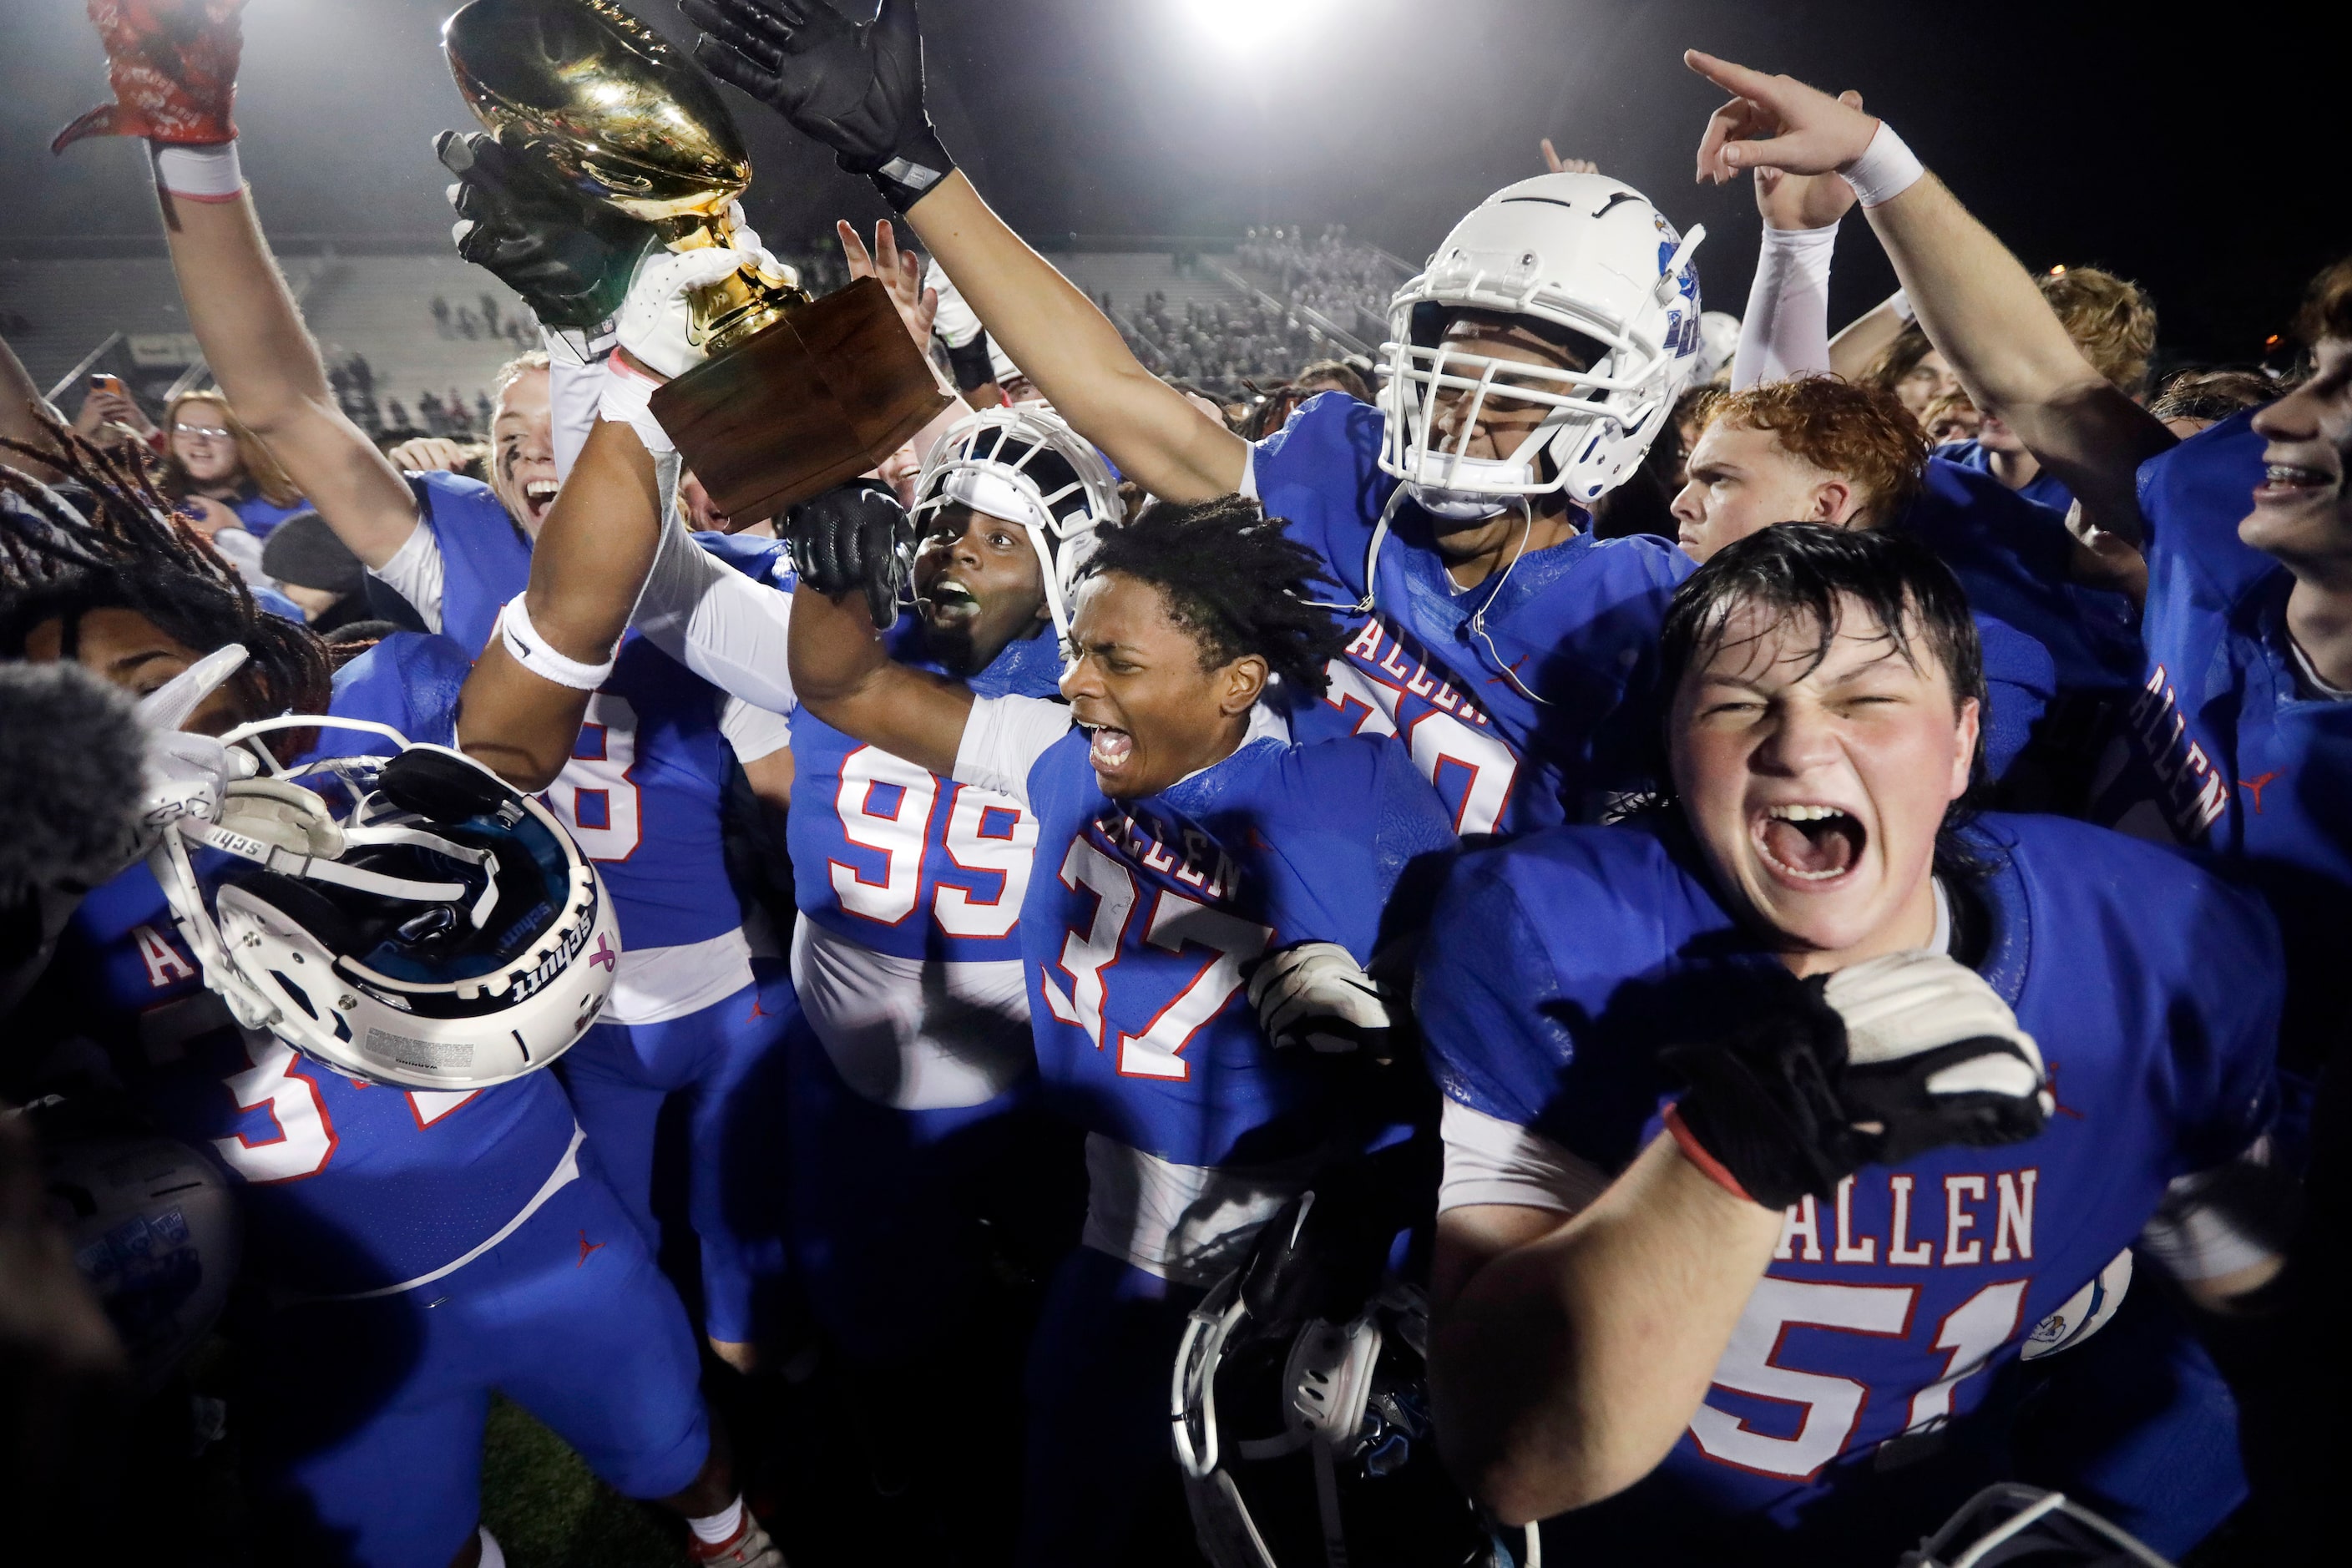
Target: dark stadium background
x=2188, y=150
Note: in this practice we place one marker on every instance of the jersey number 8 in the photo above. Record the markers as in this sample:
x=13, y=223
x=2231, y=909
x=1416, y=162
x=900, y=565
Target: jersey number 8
x=595, y=794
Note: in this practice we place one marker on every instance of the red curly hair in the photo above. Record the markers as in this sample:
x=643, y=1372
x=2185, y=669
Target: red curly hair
x=1860, y=432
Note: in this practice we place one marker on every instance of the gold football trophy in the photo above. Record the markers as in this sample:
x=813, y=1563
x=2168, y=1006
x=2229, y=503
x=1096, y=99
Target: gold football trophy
x=797, y=395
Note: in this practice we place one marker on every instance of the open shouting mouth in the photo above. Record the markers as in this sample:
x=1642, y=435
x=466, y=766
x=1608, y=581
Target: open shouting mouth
x=1806, y=844
x=1109, y=748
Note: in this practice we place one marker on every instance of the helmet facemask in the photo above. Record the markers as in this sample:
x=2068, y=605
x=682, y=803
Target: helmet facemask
x=410, y=920
x=1576, y=260
x=1026, y=465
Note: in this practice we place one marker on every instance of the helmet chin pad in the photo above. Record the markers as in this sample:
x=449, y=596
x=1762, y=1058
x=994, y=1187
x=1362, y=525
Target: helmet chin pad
x=438, y=786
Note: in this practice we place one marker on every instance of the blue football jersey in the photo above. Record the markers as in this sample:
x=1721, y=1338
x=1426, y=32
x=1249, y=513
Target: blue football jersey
x=1143, y=914
x=2043, y=488
x=345, y=1186
x=900, y=860
x=643, y=791
x=1448, y=673
x=1558, y=966
x=485, y=559
x=2054, y=649
x=2175, y=781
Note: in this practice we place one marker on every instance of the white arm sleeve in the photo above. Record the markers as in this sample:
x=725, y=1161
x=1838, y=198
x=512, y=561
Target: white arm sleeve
x=717, y=622
x=753, y=732
x=414, y=574
x=1786, y=332
x=575, y=380
x=1003, y=740
x=1491, y=1161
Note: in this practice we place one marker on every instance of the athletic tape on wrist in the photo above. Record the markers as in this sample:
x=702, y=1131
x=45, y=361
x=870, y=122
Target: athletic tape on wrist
x=1885, y=170
x=199, y=173
x=627, y=399
x=1712, y=1169
x=531, y=651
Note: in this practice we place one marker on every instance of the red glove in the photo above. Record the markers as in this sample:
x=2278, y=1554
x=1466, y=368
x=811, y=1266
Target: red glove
x=174, y=66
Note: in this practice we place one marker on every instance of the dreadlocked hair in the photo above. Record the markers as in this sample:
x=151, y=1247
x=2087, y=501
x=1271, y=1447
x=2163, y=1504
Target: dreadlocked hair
x=1230, y=579
x=130, y=553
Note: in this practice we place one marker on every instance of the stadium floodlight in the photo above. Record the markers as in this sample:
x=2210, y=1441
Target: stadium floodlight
x=1250, y=26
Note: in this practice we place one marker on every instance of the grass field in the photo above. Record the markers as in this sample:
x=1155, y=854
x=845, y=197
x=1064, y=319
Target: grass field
x=547, y=1511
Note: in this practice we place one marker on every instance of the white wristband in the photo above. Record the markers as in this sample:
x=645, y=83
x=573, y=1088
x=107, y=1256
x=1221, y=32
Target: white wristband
x=1900, y=302
x=627, y=400
x=208, y=174
x=1885, y=170
x=531, y=651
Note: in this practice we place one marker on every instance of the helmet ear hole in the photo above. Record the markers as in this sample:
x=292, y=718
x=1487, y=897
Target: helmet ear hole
x=438, y=786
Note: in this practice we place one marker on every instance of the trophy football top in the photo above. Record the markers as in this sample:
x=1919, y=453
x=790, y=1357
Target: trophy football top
x=603, y=99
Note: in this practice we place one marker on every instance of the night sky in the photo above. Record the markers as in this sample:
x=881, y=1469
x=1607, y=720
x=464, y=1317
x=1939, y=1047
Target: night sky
x=2192, y=157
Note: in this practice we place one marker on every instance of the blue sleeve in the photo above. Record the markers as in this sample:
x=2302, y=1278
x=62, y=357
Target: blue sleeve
x=410, y=680
x=1320, y=474
x=2192, y=499
x=767, y=561
x=1488, y=998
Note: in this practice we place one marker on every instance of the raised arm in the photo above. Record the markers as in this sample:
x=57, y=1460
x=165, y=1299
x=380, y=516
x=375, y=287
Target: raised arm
x=846, y=546
x=520, y=710
x=1786, y=332
x=805, y=60
x=1974, y=300
x=268, y=365
x=1860, y=341
x=1566, y=1368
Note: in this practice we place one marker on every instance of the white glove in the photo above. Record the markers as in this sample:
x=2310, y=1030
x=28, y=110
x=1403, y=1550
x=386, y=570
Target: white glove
x=1934, y=1055
x=1317, y=993
x=186, y=772
x=653, y=316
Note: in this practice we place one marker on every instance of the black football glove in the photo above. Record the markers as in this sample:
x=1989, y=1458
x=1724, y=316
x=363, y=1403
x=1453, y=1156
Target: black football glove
x=858, y=90
x=854, y=538
x=1874, y=1063
x=569, y=259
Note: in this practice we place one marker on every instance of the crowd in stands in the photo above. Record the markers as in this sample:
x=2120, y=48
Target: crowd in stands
x=1350, y=283
x=1221, y=344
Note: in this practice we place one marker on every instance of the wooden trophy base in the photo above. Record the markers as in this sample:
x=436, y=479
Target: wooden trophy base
x=821, y=396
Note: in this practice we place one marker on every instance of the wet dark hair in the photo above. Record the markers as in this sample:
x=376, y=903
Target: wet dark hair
x=126, y=551
x=1803, y=569
x=1233, y=580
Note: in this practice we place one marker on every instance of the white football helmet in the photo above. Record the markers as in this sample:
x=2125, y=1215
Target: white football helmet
x=156, y=1232
x=1579, y=255
x=1023, y=463
x=411, y=919
x=1718, y=345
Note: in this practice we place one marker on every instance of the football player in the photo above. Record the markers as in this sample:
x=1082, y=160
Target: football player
x=912, y=1102
x=1498, y=642
x=2060, y=658
x=1755, y=1175
x=1791, y=442
x=640, y=784
x=2241, y=526
x=1187, y=850
x=416, y=1249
